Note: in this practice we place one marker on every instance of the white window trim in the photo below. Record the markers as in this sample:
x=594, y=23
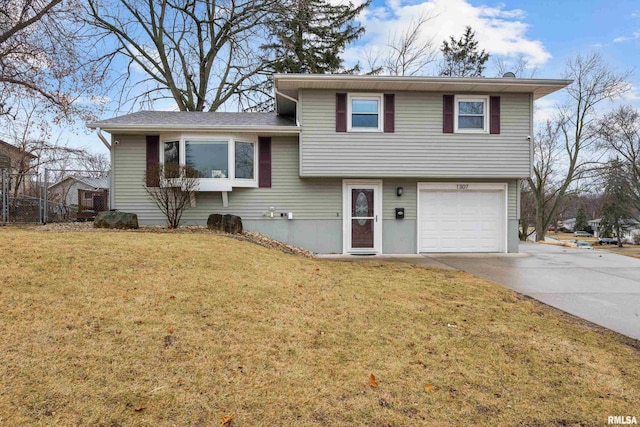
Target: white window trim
x=472, y=98
x=217, y=184
x=365, y=96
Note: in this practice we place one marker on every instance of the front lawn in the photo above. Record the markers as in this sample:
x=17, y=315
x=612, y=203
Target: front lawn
x=133, y=328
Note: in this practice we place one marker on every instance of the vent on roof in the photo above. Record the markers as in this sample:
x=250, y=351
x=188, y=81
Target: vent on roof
x=509, y=74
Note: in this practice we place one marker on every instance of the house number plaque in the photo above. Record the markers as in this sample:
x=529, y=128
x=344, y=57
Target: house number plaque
x=462, y=186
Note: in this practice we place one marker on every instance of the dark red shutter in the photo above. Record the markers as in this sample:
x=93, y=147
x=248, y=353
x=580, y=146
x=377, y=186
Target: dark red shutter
x=494, y=114
x=341, y=112
x=153, y=158
x=389, y=112
x=447, y=113
x=264, y=162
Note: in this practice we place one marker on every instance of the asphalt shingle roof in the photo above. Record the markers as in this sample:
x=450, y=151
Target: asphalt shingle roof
x=196, y=119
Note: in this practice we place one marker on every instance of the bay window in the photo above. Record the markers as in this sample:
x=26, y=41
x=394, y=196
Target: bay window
x=222, y=162
x=244, y=156
x=209, y=158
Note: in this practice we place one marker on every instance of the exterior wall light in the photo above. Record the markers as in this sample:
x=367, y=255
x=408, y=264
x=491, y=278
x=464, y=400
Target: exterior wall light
x=399, y=191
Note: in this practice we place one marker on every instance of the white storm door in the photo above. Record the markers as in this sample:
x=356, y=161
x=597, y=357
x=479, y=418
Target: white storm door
x=363, y=216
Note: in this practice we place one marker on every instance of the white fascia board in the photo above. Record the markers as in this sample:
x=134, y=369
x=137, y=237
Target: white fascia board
x=205, y=128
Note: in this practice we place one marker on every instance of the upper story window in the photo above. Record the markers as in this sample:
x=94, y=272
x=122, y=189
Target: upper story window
x=471, y=114
x=364, y=113
x=221, y=162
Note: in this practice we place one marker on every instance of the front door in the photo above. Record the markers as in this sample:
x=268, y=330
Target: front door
x=363, y=219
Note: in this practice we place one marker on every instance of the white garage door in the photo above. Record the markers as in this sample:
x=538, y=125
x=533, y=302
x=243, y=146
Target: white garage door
x=461, y=217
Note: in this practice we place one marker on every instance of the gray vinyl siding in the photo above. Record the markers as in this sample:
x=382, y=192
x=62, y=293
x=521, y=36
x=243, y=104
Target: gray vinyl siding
x=417, y=148
x=313, y=199
x=409, y=199
x=316, y=203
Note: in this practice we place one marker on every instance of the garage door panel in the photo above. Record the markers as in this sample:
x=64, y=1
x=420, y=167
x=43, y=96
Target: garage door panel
x=462, y=221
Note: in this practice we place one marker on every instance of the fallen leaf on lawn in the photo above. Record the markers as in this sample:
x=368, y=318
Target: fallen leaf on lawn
x=428, y=388
x=372, y=381
x=139, y=408
x=226, y=420
x=171, y=330
x=172, y=297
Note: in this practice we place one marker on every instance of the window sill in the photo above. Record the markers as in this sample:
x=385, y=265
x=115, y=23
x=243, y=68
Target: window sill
x=472, y=132
x=218, y=184
x=364, y=130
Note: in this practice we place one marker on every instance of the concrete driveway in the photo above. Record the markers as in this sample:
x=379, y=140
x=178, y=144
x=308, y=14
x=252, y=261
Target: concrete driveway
x=601, y=287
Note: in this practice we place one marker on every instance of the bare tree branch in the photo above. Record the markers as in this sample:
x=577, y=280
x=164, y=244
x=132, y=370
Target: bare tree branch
x=201, y=53
x=407, y=53
x=563, y=149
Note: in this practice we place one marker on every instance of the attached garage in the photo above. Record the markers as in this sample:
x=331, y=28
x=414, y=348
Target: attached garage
x=461, y=217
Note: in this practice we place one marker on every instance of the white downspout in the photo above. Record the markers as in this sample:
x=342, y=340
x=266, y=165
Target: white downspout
x=111, y=175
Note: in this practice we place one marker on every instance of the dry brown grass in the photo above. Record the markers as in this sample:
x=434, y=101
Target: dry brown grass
x=189, y=328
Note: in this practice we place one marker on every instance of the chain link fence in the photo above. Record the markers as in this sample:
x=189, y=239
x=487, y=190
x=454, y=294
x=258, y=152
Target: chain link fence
x=55, y=196
x=21, y=200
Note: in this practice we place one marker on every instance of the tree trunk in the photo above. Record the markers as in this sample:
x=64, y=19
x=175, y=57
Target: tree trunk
x=524, y=230
x=541, y=229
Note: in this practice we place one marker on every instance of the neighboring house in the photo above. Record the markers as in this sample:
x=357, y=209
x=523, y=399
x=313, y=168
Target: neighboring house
x=630, y=234
x=65, y=191
x=15, y=158
x=595, y=226
x=350, y=164
x=79, y=197
x=569, y=224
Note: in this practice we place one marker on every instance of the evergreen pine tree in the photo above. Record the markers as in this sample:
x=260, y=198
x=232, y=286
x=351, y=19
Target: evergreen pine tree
x=310, y=35
x=581, y=220
x=618, y=205
x=462, y=57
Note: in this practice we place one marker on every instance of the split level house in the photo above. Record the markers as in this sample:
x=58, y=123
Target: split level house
x=349, y=164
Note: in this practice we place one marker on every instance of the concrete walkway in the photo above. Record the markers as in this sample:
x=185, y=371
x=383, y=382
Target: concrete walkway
x=598, y=286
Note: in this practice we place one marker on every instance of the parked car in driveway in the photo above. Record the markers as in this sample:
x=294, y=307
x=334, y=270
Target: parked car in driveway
x=583, y=245
x=582, y=234
x=608, y=241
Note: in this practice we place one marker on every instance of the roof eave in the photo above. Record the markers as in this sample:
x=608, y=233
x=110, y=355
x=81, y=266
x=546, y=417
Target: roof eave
x=200, y=128
x=539, y=87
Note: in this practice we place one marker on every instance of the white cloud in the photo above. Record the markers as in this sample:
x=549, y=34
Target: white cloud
x=632, y=95
x=634, y=36
x=499, y=31
x=544, y=109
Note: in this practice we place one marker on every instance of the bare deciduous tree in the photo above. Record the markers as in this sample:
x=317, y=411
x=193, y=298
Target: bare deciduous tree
x=561, y=149
x=32, y=137
x=200, y=53
x=407, y=53
x=172, y=195
x=518, y=66
x=619, y=133
x=95, y=165
x=527, y=212
x=42, y=56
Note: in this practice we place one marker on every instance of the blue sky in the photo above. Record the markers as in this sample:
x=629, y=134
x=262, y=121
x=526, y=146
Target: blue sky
x=545, y=32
